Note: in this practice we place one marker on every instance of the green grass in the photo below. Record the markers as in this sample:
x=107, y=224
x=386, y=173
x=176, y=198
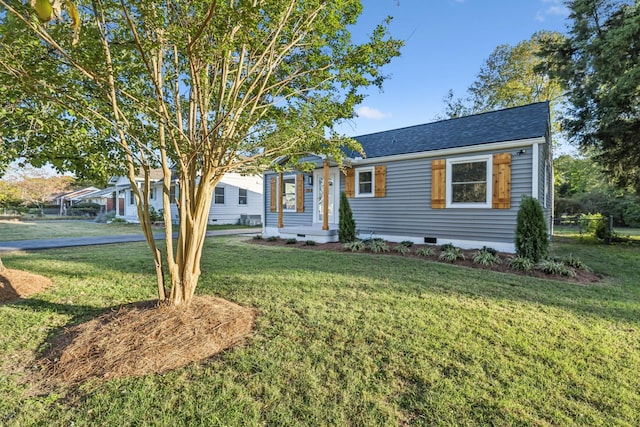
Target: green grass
x=349, y=339
x=568, y=231
x=28, y=230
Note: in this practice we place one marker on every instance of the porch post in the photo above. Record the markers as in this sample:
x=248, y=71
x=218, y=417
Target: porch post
x=279, y=196
x=325, y=197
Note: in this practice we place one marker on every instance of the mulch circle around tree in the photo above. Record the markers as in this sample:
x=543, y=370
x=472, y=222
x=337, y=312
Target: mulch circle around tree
x=145, y=338
x=16, y=284
x=581, y=277
x=134, y=340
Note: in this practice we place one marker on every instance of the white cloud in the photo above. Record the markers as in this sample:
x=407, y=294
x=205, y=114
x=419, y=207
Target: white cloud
x=371, y=113
x=555, y=8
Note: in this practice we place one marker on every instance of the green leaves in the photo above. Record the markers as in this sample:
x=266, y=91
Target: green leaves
x=599, y=65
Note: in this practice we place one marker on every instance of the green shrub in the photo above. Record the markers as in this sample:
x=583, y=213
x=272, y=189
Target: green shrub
x=447, y=247
x=486, y=256
x=548, y=266
x=258, y=237
x=595, y=225
x=521, y=264
x=532, y=239
x=425, y=251
x=401, y=249
x=156, y=216
x=310, y=243
x=291, y=241
x=272, y=239
x=407, y=243
x=346, y=225
x=450, y=253
x=354, y=246
x=571, y=261
x=378, y=245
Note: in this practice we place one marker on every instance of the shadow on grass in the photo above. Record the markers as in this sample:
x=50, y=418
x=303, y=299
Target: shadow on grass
x=230, y=265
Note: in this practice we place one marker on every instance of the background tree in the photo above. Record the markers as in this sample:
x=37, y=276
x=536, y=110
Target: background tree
x=37, y=189
x=9, y=194
x=599, y=66
x=511, y=76
x=582, y=188
x=200, y=89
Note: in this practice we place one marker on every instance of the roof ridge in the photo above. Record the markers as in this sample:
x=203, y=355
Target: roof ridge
x=452, y=119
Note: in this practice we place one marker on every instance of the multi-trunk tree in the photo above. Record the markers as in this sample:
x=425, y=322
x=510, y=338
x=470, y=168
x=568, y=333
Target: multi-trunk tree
x=197, y=88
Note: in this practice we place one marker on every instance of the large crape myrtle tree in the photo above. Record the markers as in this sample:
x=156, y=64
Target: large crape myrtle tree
x=196, y=88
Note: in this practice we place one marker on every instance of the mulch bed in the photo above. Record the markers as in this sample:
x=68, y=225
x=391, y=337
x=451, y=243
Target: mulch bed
x=582, y=276
x=145, y=338
x=134, y=340
x=16, y=284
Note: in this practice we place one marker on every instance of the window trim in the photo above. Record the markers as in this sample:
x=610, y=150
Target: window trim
x=241, y=197
x=281, y=187
x=358, y=171
x=215, y=202
x=488, y=204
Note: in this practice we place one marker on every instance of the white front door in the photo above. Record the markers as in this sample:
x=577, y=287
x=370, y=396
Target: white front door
x=318, y=195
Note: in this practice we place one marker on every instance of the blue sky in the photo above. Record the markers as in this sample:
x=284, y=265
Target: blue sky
x=446, y=43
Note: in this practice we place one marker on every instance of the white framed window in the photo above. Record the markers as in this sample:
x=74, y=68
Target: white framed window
x=132, y=198
x=152, y=193
x=365, y=182
x=218, y=196
x=242, y=196
x=469, y=182
x=172, y=193
x=289, y=193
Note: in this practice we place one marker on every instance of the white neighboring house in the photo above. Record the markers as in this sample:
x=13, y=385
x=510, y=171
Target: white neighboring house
x=236, y=199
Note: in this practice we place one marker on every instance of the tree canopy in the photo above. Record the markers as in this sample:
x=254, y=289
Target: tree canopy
x=599, y=66
x=198, y=88
x=511, y=76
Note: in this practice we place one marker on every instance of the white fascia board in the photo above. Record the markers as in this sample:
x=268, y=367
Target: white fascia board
x=495, y=146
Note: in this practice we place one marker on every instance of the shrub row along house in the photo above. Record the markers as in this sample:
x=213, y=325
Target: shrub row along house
x=236, y=199
x=456, y=181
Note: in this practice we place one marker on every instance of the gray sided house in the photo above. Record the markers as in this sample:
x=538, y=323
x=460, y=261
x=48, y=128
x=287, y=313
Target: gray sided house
x=456, y=181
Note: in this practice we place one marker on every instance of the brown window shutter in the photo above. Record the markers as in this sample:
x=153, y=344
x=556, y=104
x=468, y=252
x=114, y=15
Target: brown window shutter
x=300, y=192
x=502, y=181
x=438, y=184
x=350, y=183
x=380, y=181
x=274, y=194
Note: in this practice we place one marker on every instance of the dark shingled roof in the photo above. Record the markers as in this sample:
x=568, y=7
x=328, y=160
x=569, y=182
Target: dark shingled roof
x=528, y=121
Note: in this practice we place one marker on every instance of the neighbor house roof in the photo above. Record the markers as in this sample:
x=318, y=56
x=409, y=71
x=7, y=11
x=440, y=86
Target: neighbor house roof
x=512, y=124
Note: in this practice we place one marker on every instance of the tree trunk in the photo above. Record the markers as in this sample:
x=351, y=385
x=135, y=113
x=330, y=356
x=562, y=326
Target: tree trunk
x=195, y=202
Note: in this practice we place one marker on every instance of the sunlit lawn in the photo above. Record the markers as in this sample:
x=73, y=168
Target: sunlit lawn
x=28, y=230
x=349, y=339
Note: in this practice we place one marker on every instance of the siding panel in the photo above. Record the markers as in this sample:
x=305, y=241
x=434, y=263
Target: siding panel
x=406, y=211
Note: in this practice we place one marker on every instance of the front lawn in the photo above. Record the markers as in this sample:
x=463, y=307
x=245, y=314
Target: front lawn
x=30, y=230
x=347, y=339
